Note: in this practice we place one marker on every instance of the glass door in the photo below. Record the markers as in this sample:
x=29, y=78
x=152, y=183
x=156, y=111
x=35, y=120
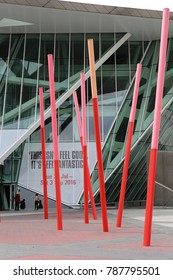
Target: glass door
x=12, y=195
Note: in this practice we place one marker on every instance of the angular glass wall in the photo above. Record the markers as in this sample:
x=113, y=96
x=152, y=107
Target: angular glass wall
x=9, y=170
x=24, y=69
x=114, y=147
x=71, y=53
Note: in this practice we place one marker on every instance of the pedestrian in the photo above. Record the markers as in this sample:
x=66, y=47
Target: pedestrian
x=40, y=205
x=36, y=200
x=17, y=201
x=22, y=204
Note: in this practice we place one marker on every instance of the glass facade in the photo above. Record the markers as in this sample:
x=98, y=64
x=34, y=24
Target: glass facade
x=24, y=68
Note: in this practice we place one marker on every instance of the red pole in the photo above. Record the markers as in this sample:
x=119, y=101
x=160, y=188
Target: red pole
x=97, y=135
x=86, y=213
x=85, y=162
x=87, y=168
x=156, y=129
x=128, y=146
x=55, y=143
x=94, y=213
x=43, y=154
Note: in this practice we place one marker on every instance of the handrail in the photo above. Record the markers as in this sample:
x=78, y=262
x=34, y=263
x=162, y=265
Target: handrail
x=163, y=186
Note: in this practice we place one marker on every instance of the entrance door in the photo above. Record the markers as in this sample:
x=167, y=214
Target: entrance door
x=12, y=195
x=7, y=193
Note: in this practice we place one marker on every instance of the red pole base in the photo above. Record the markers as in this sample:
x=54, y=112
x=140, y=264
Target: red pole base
x=125, y=174
x=94, y=213
x=100, y=165
x=58, y=195
x=150, y=197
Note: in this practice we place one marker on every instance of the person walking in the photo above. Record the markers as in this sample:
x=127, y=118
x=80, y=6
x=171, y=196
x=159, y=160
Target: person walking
x=17, y=201
x=36, y=200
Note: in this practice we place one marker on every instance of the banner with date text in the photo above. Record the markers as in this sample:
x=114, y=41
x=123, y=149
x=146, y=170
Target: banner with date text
x=71, y=169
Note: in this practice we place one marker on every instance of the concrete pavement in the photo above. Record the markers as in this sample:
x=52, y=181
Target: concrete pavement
x=26, y=235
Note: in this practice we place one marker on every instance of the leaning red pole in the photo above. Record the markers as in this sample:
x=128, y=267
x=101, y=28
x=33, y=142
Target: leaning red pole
x=55, y=142
x=44, y=175
x=128, y=146
x=85, y=162
x=156, y=128
x=97, y=135
x=94, y=213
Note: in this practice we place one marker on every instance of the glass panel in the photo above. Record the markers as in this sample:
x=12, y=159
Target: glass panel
x=76, y=57
x=122, y=67
x=15, y=172
x=170, y=58
x=29, y=93
x=107, y=41
x=7, y=171
x=14, y=82
x=47, y=47
x=4, y=47
x=61, y=63
x=135, y=55
x=65, y=124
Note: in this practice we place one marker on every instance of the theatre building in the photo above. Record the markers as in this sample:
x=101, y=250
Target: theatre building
x=122, y=37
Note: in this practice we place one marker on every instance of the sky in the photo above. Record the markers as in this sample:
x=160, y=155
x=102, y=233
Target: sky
x=146, y=4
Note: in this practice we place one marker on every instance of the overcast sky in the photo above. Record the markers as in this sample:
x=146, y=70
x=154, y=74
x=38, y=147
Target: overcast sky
x=146, y=4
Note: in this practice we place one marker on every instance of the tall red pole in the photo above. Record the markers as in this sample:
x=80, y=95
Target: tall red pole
x=128, y=146
x=156, y=129
x=44, y=175
x=94, y=213
x=85, y=162
x=97, y=135
x=55, y=143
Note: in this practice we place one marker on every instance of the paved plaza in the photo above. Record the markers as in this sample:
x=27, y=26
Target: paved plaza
x=25, y=235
